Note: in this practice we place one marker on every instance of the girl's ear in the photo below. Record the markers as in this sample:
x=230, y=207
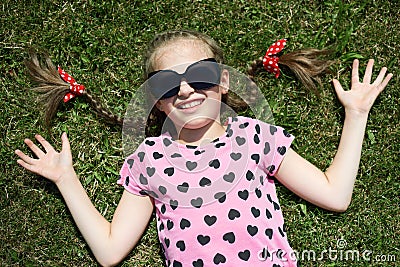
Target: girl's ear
x=159, y=105
x=224, y=85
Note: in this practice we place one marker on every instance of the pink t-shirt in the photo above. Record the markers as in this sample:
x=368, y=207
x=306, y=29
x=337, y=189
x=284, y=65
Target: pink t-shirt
x=216, y=204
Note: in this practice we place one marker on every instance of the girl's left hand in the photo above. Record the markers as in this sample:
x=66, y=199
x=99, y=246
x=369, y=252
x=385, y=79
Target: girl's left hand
x=362, y=94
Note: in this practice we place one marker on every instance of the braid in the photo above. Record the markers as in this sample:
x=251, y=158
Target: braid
x=101, y=111
x=52, y=89
x=254, y=68
x=252, y=71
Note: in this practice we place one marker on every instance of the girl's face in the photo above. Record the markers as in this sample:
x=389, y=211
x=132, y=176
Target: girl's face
x=190, y=108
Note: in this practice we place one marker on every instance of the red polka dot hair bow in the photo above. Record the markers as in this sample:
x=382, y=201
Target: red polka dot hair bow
x=270, y=60
x=75, y=89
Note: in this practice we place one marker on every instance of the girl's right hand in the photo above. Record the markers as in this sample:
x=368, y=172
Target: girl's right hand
x=50, y=164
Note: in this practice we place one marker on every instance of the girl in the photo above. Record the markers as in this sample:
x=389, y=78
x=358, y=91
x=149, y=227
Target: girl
x=210, y=182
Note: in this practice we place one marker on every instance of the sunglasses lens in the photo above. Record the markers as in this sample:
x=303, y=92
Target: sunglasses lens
x=164, y=84
x=203, y=75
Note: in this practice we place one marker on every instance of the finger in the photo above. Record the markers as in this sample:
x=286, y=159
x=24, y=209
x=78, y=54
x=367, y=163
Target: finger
x=65, y=143
x=35, y=149
x=354, y=73
x=385, y=82
x=338, y=87
x=368, y=71
x=44, y=143
x=24, y=157
x=380, y=77
x=27, y=166
x=381, y=87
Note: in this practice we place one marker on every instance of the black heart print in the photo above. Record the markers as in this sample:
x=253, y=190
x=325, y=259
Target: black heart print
x=162, y=189
x=181, y=245
x=240, y=140
x=191, y=165
x=157, y=155
x=230, y=177
x=235, y=156
x=197, y=202
x=173, y=204
x=169, y=171
x=268, y=232
x=143, y=180
x=272, y=129
x=205, y=182
x=149, y=143
x=150, y=171
x=233, y=214
x=230, y=237
x=198, y=263
x=167, y=142
x=252, y=230
x=210, y=220
x=256, y=212
x=141, y=156
x=184, y=224
x=219, y=258
x=221, y=196
x=244, y=255
x=130, y=163
x=243, y=194
x=184, y=187
x=282, y=150
x=203, y=239
x=214, y=163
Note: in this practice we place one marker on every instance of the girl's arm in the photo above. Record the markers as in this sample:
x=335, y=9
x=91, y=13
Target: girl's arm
x=333, y=188
x=109, y=242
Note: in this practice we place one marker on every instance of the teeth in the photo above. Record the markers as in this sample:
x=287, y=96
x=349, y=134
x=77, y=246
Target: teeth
x=191, y=104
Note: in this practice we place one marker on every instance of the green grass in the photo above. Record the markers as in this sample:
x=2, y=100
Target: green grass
x=101, y=43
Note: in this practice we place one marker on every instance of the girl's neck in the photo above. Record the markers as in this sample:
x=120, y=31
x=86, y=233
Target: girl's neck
x=202, y=135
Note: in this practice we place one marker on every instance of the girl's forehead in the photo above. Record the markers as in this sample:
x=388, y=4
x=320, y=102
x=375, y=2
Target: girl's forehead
x=179, y=54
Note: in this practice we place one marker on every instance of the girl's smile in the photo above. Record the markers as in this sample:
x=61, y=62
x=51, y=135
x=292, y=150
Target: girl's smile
x=190, y=106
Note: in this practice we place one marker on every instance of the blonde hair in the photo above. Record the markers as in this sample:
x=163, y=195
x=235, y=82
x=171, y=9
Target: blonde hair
x=306, y=64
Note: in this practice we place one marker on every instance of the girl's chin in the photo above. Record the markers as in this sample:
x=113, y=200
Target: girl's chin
x=196, y=117
x=196, y=123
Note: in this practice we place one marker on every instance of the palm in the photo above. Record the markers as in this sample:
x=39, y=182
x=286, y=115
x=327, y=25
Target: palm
x=53, y=164
x=362, y=94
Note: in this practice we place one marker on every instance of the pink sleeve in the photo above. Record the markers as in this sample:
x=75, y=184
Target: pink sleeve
x=129, y=175
x=276, y=143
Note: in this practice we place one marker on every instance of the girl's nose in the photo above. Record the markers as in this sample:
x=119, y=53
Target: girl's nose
x=185, y=89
